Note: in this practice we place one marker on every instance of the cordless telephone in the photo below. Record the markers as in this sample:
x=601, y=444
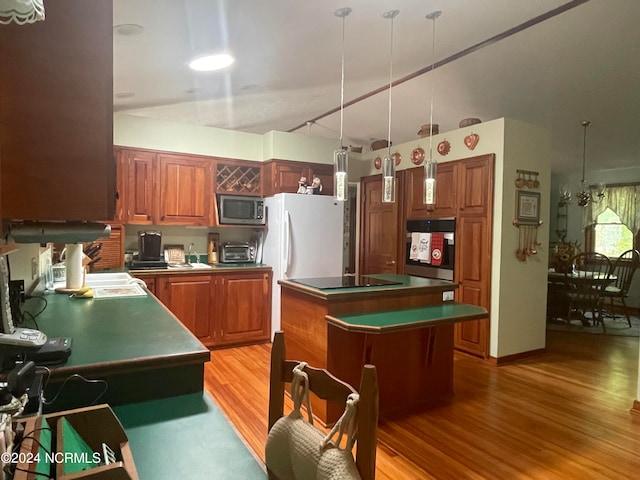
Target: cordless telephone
x=13, y=339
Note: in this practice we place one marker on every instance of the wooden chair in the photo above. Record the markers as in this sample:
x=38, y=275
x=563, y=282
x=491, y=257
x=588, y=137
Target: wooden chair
x=586, y=284
x=623, y=269
x=328, y=387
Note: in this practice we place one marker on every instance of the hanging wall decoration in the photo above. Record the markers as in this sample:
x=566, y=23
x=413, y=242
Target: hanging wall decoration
x=444, y=147
x=471, y=140
x=527, y=221
x=417, y=156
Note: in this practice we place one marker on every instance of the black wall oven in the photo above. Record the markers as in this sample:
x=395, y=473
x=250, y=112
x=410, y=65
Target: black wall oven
x=430, y=248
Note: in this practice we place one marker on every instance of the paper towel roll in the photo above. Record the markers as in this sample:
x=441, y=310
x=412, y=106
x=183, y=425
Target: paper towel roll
x=75, y=270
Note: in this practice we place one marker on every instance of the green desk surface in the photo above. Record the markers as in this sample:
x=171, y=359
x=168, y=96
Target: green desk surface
x=405, y=282
x=407, y=319
x=186, y=437
x=115, y=330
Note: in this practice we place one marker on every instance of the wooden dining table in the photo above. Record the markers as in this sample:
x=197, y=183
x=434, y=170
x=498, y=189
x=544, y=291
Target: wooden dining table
x=559, y=283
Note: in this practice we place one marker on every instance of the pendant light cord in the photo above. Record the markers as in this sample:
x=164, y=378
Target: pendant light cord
x=585, y=124
x=342, y=82
x=391, y=14
x=432, y=16
x=342, y=13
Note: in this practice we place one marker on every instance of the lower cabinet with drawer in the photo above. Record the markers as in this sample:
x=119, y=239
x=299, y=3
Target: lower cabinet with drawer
x=221, y=309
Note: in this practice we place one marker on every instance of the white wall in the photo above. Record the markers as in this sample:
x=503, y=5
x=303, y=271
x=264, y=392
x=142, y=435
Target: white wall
x=518, y=289
x=140, y=132
x=522, y=289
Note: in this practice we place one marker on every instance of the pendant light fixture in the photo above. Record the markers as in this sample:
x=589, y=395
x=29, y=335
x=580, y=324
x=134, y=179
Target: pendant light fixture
x=341, y=156
x=430, y=167
x=389, y=163
x=21, y=11
x=584, y=196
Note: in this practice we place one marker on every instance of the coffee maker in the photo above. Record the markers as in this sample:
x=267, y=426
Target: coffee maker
x=149, y=251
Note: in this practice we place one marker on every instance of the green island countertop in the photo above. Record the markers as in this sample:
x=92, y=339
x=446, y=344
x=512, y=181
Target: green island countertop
x=134, y=343
x=404, y=283
x=407, y=319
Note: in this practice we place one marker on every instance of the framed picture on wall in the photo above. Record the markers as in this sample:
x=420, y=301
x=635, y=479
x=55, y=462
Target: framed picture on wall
x=528, y=207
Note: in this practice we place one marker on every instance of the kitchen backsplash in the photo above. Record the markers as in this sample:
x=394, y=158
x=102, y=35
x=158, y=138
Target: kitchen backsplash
x=172, y=235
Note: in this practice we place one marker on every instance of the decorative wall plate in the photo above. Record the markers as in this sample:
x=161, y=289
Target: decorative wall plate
x=377, y=162
x=444, y=147
x=417, y=156
x=397, y=158
x=471, y=140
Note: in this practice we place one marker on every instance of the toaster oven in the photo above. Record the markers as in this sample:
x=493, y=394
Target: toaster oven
x=237, y=253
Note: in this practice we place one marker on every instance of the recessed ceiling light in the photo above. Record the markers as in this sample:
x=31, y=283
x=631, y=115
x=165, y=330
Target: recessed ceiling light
x=209, y=63
x=128, y=29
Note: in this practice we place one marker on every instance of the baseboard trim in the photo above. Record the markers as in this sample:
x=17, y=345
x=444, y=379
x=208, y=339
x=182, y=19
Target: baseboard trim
x=635, y=409
x=516, y=357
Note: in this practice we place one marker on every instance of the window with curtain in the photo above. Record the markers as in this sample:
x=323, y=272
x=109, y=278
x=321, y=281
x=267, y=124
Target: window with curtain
x=612, y=224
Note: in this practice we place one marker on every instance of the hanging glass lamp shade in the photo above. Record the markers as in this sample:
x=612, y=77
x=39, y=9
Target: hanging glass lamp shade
x=388, y=179
x=430, y=183
x=340, y=167
x=21, y=11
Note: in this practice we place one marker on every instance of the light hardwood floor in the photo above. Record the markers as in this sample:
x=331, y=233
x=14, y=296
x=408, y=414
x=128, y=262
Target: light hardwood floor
x=562, y=415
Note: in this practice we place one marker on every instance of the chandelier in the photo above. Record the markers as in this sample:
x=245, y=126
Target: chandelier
x=584, y=196
x=21, y=11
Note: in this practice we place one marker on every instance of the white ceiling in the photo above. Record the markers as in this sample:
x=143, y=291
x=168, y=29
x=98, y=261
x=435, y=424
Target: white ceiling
x=582, y=64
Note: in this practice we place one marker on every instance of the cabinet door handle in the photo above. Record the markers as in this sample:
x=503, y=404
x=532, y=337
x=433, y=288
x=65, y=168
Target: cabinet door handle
x=392, y=262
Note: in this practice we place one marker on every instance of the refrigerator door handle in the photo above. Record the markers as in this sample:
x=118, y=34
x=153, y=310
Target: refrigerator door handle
x=286, y=257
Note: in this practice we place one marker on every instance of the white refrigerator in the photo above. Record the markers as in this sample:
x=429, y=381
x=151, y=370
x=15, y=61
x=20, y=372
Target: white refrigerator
x=304, y=239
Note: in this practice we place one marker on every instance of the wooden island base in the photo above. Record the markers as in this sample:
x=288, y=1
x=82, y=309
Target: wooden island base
x=405, y=331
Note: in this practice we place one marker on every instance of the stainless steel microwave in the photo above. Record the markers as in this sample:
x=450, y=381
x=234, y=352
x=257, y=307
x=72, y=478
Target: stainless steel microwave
x=238, y=210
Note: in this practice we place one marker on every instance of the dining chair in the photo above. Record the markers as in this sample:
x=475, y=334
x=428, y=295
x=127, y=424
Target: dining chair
x=623, y=270
x=585, y=285
x=288, y=453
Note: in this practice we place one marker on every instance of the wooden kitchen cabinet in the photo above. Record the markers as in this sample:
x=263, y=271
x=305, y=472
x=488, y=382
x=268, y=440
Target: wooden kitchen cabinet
x=476, y=180
x=136, y=177
x=222, y=308
x=446, y=192
x=282, y=176
x=184, y=190
x=473, y=251
x=473, y=273
x=244, y=300
x=191, y=298
x=381, y=239
x=56, y=114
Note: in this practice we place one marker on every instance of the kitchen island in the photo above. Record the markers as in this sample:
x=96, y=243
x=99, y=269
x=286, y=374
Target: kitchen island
x=401, y=326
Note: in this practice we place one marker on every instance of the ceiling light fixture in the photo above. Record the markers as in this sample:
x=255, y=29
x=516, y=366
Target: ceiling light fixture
x=21, y=11
x=389, y=163
x=210, y=63
x=341, y=156
x=430, y=167
x=128, y=29
x=584, y=196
